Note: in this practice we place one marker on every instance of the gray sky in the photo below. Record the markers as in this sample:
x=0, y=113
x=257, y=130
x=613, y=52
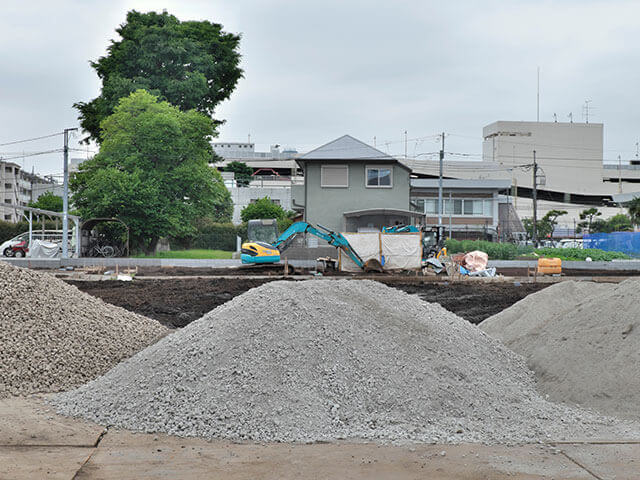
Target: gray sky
x=315, y=70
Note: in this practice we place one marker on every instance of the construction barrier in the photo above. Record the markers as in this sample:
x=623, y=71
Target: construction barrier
x=626, y=242
x=394, y=251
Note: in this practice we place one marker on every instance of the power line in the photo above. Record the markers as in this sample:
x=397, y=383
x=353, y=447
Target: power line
x=30, y=139
x=5, y=159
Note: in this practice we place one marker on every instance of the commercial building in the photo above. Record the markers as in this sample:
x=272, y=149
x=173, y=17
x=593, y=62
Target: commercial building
x=19, y=188
x=572, y=173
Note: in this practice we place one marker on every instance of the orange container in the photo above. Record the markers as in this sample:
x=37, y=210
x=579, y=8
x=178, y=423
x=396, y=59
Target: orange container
x=549, y=266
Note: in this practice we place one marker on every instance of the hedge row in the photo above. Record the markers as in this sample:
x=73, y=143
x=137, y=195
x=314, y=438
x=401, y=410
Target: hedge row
x=496, y=251
x=219, y=236
x=9, y=230
x=581, y=254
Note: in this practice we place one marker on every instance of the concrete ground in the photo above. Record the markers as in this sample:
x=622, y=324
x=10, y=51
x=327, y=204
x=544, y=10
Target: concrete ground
x=37, y=443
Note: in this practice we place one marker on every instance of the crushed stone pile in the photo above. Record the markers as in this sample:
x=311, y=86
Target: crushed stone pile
x=582, y=340
x=54, y=337
x=321, y=360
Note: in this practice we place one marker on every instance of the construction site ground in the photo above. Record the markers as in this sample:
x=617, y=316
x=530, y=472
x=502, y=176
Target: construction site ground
x=175, y=302
x=37, y=443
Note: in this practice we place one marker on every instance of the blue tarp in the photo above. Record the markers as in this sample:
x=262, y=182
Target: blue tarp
x=627, y=242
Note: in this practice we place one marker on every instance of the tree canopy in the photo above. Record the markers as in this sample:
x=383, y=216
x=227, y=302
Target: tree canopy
x=545, y=225
x=617, y=223
x=262, y=208
x=191, y=64
x=242, y=173
x=152, y=171
x=633, y=207
x=48, y=201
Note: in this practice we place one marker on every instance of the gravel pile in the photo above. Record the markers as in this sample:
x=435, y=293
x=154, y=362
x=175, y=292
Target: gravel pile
x=323, y=360
x=54, y=337
x=582, y=340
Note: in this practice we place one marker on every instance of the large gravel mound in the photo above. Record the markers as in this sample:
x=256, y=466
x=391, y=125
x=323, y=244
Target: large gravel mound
x=582, y=340
x=54, y=337
x=323, y=360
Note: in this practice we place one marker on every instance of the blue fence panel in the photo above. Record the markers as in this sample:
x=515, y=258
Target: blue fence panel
x=627, y=242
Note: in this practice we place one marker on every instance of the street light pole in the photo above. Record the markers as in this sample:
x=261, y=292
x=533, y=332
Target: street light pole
x=65, y=195
x=440, y=201
x=535, y=200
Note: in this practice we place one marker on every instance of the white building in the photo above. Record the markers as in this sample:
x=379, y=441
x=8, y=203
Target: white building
x=18, y=187
x=572, y=174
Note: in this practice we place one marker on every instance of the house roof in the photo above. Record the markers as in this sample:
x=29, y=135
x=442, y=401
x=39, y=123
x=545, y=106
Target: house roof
x=346, y=148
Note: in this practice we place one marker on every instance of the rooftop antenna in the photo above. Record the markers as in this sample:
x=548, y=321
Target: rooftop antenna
x=538, y=98
x=374, y=141
x=248, y=138
x=586, y=110
x=570, y=117
x=555, y=118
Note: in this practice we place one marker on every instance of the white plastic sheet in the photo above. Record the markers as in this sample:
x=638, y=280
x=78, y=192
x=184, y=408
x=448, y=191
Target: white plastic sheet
x=367, y=245
x=401, y=251
x=43, y=249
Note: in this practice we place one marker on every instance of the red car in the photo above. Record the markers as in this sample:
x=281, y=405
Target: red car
x=19, y=249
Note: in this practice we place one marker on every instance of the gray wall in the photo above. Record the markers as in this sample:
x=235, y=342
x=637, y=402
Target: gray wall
x=326, y=205
x=242, y=196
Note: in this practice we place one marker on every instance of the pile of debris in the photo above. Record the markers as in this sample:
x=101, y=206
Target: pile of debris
x=324, y=360
x=54, y=337
x=582, y=339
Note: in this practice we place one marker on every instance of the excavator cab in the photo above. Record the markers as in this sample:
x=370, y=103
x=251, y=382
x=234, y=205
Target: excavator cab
x=261, y=235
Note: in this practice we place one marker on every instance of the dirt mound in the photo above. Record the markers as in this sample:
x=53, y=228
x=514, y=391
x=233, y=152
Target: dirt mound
x=582, y=340
x=323, y=360
x=54, y=337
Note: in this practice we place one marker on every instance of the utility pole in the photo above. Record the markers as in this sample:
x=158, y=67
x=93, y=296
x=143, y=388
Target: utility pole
x=619, y=174
x=440, y=209
x=65, y=195
x=405, y=144
x=535, y=200
x=538, y=98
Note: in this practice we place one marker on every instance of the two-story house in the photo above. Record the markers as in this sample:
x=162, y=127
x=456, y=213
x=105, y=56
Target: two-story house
x=350, y=186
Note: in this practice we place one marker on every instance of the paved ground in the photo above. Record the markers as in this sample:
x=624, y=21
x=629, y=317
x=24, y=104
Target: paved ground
x=36, y=443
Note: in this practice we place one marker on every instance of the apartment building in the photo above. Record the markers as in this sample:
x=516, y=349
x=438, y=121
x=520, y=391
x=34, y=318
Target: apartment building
x=18, y=187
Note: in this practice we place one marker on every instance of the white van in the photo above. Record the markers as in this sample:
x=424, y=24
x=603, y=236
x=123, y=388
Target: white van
x=571, y=243
x=47, y=235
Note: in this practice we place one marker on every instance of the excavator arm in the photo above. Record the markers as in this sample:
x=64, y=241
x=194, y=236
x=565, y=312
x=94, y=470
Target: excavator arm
x=332, y=238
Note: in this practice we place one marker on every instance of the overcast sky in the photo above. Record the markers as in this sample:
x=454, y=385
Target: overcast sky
x=315, y=70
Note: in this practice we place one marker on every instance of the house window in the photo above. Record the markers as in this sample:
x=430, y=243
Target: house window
x=334, y=176
x=380, y=177
x=456, y=206
x=7, y=217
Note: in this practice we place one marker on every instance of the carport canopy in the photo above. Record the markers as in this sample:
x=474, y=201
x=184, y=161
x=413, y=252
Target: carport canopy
x=377, y=218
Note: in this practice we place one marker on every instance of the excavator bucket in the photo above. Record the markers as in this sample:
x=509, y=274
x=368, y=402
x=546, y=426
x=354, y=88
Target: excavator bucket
x=373, y=265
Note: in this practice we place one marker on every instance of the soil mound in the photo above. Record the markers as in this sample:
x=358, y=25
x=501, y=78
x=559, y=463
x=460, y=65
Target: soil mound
x=54, y=337
x=325, y=360
x=582, y=340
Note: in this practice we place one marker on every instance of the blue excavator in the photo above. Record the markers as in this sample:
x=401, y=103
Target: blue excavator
x=261, y=252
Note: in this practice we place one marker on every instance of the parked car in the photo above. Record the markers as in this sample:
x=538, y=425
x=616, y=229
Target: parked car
x=48, y=235
x=6, y=248
x=571, y=243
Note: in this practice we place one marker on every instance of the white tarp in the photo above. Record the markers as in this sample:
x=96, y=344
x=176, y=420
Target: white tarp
x=401, y=251
x=367, y=245
x=43, y=249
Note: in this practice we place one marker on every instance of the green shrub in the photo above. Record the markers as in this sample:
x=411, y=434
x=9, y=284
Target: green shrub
x=495, y=250
x=581, y=254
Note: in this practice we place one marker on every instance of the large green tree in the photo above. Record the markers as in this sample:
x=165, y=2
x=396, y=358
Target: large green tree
x=588, y=216
x=152, y=171
x=192, y=65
